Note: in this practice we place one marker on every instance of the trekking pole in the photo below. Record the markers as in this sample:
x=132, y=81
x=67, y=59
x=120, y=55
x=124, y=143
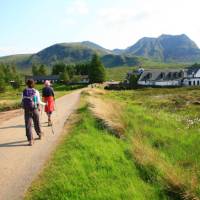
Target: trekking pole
x=52, y=129
x=42, y=110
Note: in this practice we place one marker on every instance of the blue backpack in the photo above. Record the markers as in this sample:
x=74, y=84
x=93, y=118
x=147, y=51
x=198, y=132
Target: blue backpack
x=29, y=99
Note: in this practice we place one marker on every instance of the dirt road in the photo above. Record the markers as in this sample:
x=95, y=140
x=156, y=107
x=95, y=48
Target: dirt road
x=19, y=163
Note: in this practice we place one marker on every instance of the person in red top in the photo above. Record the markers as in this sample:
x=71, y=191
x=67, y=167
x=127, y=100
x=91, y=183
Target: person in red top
x=49, y=99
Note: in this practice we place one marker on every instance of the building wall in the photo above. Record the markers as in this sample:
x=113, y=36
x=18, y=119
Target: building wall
x=160, y=83
x=191, y=82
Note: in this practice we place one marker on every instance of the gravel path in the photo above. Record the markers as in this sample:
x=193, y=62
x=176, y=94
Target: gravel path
x=20, y=163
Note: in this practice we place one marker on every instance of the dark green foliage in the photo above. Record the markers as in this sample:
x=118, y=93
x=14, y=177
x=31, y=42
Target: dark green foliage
x=133, y=81
x=64, y=77
x=112, y=60
x=70, y=73
x=76, y=69
x=82, y=68
x=97, y=73
x=39, y=70
x=58, y=68
x=9, y=75
x=2, y=84
x=42, y=70
x=196, y=65
x=34, y=70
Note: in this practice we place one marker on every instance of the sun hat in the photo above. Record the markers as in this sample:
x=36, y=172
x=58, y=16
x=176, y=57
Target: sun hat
x=47, y=83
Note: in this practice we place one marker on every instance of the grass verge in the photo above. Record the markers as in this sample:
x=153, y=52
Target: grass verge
x=91, y=164
x=157, y=157
x=11, y=99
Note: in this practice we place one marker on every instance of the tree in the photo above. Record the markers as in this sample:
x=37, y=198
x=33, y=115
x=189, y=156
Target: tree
x=58, y=68
x=2, y=81
x=42, y=70
x=82, y=68
x=34, y=70
x=97, y=73
x=64, y=77
x=133, y=81
x=70, y=70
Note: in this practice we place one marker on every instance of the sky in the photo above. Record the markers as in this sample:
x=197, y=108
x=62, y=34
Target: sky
x=28, y=26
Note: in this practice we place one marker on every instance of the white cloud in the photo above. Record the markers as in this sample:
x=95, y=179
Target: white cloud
x=117, y=17
x=78, y=7
x=121, y=25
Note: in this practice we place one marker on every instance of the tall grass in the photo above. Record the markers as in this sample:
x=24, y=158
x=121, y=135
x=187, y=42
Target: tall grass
x=161, y=139
x=91, y=164
x=157, y=157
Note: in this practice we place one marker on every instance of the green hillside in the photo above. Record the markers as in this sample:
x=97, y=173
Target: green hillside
x=148, y=52
x=19, y=59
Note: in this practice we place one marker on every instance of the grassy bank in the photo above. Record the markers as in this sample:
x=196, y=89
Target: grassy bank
x=164, y=125
x=11, y=98
x=140, y=144
x=90, y=163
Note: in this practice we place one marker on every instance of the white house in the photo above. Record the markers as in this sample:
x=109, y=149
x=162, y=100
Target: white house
x=170, y=77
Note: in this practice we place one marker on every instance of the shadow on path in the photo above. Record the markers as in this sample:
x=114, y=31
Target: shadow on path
x=15, y=144
x=17, y=126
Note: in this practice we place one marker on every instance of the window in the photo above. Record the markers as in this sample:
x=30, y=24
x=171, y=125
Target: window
x=198, y=82
x=162, y=75
x=175, y=74
x=190, y=83
x=148, y=76
x=194, y=83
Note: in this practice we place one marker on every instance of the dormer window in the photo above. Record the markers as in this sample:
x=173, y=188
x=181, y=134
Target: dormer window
x=148, y=76
x=175, y=74
x=162, y=75
x=170, y=75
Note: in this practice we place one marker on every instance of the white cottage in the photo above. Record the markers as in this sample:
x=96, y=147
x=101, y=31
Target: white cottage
x=170, y=77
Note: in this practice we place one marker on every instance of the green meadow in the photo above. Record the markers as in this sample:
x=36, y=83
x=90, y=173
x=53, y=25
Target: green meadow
x=156, y=155
x=11, y=98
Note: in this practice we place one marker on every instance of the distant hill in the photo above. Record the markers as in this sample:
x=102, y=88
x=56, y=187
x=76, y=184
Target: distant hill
x=166, y=49
x=67, y=53
x=20, y=59
x=121, y=60
x=71, y=53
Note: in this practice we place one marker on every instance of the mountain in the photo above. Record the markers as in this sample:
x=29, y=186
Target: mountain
x=19, y=59
x=112, y=60
x=166, y=48
x=70, y=53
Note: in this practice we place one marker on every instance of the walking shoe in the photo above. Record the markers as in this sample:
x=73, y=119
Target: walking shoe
x=31, y=142
x=40, y=135
x=49, y=123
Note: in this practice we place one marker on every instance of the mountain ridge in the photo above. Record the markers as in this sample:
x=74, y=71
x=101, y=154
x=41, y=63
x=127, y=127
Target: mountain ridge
x=165, y=48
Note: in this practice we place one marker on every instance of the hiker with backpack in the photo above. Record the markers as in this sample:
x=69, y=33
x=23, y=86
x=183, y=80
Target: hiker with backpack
x=49, y=99
x=31, y=103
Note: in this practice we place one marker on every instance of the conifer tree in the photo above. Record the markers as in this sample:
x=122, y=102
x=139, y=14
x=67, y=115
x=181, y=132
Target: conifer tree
x=34, y=70
x=42, y=70
x=97, y=73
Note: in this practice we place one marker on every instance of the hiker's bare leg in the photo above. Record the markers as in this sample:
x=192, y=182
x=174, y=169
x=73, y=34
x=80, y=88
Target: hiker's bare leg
x=49, y=119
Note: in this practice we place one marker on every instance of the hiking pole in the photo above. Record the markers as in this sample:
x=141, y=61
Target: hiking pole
x=52, y=129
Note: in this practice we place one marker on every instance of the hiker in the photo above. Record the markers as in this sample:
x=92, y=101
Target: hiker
x=31, y=103
x=48, y=98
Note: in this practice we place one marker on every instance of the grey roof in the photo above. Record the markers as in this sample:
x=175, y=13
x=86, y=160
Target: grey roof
x=161, y=75
x=40, y=78
x=192, y=70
